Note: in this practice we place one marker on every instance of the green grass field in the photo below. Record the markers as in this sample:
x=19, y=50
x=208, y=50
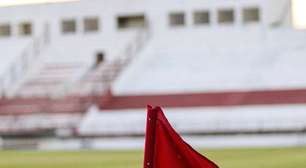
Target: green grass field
x=228, y=158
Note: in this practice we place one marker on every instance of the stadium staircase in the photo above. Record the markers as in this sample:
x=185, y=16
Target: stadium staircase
x=63, y=88
x=99, y=80
x=50, y=79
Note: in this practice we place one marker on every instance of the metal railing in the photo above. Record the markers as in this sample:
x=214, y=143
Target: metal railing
x=70, y=101
x=17, y=70
x=125, y=57
x=109, y=71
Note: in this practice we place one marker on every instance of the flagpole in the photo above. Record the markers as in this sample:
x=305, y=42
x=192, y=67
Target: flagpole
x=150, y=137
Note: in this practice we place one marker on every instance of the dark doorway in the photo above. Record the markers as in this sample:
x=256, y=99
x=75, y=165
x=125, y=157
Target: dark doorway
x=99, y=58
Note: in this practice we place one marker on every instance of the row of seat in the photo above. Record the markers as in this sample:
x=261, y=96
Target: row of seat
x=217, y=61
x=199, y=120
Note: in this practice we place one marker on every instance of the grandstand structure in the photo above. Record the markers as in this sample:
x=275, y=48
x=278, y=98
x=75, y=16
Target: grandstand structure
x=70, y=70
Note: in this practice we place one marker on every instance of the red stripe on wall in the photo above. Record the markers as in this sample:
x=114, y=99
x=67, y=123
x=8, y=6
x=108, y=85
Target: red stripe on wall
x=230, y=98
x=79, y=104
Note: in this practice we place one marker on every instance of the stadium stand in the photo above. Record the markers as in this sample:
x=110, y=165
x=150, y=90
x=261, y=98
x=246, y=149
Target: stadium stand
x=216, y=64
x=231, y=72
x=264, y=125
x=50, y=79
x=212, y=120
x=25, y=124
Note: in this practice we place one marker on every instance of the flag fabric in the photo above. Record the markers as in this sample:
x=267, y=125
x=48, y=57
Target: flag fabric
x=164, y=148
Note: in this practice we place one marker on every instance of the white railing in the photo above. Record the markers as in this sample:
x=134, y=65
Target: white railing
x=132, y=49
x=22, y=64
x=110, y=70
x=126, y=56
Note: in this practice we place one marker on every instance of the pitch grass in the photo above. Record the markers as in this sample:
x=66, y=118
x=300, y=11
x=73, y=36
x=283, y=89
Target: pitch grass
x=227, y=158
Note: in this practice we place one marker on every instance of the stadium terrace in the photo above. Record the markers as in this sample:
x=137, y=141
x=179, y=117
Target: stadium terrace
x=79, y=74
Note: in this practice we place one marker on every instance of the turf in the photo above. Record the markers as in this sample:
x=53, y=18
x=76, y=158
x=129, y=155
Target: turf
x=227, y=158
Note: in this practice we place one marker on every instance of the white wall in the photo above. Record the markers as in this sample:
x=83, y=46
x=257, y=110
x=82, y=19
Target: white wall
x=109, y=38
x=156, y=12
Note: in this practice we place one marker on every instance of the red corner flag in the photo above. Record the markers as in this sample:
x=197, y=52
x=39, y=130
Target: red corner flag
x=164, y=148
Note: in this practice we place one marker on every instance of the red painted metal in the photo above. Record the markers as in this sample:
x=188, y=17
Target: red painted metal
x=150, y=138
